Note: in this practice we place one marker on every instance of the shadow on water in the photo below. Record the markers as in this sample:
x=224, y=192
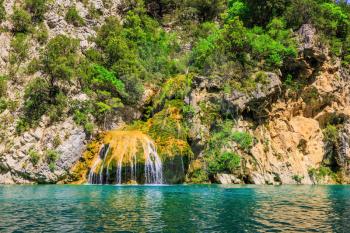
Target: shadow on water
x=178, y=208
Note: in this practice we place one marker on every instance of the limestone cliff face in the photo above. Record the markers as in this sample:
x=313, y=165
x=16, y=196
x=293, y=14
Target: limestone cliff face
x=288, y=126
x=65, y=137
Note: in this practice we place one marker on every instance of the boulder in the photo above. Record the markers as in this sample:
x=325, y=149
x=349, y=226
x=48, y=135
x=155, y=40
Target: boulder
x=223, y=178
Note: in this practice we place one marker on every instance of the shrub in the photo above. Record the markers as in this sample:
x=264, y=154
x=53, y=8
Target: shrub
x=36, y=100
x=133, y=87
x=307, y=12
x=269, y=46
x=56, y=141
x=199, y=176
x=331, y=133
x=102, y=79
x=291, y=84
x=3, y=104
x=80, y=117
x=89, y=129
x=3, y=86
x=21, y=20
x=334, y=20
x=56, y=108
x=42, y=34
x=44, y=95
x=225, y=162
x=34, y=156
x=93, y=13
x=244, y=140
x=21, y=126
x=137, y=50
x=19, y=49
x=52, y=156
x=52, y=166
x=321, y=172
x=2, y=11
x=59, y=59
x=177, y=87
x=37, y=8
x=188, y=111
x=217, y=160
x=297, y=178
x=73, y=17
x=206, y=10
x=33, y=66
x=58, y=62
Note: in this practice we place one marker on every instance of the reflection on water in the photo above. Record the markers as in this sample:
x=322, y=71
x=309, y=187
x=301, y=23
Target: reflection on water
x=192, y=208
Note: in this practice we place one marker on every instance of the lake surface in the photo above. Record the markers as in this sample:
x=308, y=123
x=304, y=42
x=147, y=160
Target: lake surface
x=179, y=208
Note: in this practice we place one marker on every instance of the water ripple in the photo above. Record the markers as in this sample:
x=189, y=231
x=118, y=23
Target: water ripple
x=183, y=208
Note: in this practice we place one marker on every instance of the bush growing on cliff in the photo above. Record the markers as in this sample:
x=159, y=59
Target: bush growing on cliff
x=331, y=134
x=2, y=11
x=185, y=10
x=298, y=178
x=244, y=140
x=34, y=156
x=46, y=94
x=21, y=20
x=268, y=47
x=51, y=157
x=99, y=78
x=105, y=89
x=320, y=173
x=19, y=50
x=224, y=162
x=73, y=17
x=42, y=34
x=137, y=51
x=176, y=87
x=37, y=8
x=59, y=61
x=37, y=99
x=3, y=86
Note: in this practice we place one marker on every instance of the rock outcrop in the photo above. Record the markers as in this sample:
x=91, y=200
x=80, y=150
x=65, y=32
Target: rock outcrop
x=289, y=125
x=288, y=128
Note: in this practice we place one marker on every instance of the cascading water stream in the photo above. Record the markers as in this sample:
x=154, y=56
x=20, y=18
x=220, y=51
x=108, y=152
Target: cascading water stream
x=131, y=156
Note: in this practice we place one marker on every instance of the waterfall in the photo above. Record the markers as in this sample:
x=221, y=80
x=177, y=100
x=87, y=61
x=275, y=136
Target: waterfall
x=126, y=157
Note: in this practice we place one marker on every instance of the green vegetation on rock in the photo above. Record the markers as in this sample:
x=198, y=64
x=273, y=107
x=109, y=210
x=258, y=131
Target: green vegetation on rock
x=37, y=8
x=146, y=67
x=73, y=17
x=21, y=20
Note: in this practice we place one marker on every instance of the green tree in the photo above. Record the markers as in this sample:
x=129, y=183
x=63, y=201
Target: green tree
x=36, y=100
x=59, y=62
x=207, y=9
x=307, y=12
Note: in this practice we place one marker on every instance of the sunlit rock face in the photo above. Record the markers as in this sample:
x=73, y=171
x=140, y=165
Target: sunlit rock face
x=127, y=157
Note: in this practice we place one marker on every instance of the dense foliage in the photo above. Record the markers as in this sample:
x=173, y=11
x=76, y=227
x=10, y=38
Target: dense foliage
x=160, y=46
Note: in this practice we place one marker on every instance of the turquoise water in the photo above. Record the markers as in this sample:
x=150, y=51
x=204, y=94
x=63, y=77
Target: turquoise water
x=182, y=208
